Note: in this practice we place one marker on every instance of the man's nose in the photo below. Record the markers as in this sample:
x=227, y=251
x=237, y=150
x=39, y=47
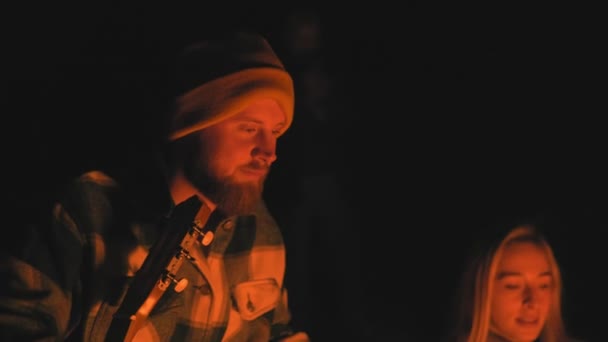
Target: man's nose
x=266, y=147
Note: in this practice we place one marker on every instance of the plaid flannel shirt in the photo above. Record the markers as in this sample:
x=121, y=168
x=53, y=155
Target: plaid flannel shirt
x=70, y=277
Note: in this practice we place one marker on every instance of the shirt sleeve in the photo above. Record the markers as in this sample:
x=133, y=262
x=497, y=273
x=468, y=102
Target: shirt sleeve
x=40, y=271
x=42, y=267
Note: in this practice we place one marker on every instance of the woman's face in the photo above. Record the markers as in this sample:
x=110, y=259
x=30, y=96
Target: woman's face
x=522, y=293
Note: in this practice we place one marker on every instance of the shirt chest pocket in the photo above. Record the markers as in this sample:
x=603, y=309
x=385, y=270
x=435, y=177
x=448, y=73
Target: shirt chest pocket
x=256, y=297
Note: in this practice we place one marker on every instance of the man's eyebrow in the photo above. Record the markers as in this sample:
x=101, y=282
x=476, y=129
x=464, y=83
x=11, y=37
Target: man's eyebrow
x=504, y=274
x=249, y=119
x=258, y=121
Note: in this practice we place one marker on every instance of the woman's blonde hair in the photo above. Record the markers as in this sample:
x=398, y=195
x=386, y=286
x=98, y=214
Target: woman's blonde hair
x=478, y=283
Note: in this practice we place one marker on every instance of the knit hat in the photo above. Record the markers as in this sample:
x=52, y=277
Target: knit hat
x=218, y=78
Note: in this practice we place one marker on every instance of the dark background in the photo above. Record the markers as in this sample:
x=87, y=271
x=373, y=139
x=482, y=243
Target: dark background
x=416, y=126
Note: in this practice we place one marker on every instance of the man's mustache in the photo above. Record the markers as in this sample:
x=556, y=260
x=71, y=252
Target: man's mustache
x=258, y=165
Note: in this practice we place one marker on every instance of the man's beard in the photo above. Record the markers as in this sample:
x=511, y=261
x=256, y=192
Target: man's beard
x=230, y=196
x=237, y=199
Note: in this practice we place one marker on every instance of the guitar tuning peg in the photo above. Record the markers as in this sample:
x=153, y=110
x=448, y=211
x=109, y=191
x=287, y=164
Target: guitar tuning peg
x=207, y=238
x=180, y=285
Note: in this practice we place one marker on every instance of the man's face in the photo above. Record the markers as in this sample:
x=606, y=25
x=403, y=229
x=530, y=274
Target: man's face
x=234, y=157
x=522, y=292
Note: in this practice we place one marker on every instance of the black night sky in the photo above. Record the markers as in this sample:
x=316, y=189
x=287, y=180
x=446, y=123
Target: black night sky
x=415, y=126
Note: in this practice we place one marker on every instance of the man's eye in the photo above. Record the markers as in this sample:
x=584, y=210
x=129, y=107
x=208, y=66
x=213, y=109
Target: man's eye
x=545, y=286
x=512, y=286
x=276, y=132
x=248, y=129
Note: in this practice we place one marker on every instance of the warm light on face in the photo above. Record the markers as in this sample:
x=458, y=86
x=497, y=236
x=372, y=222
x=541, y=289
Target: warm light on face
x=245, y=144
x=522, y=292
x=233, y=157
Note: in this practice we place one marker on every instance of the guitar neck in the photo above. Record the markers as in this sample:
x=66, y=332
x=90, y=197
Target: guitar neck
x=158, y=272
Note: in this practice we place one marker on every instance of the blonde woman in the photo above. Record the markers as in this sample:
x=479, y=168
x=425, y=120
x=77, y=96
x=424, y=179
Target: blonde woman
x=511, y=292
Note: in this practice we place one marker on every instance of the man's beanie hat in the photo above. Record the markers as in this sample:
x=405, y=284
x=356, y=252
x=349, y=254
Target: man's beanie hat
x=219, y=77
